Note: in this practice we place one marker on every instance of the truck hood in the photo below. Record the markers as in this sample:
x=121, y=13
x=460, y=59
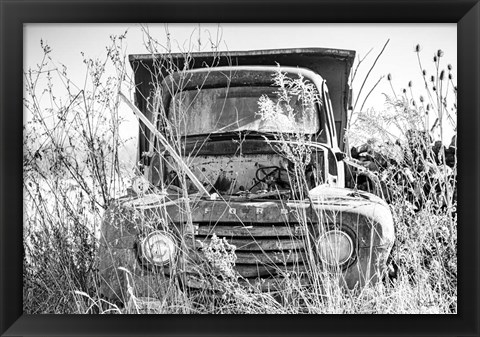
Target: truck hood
x=331, y=194
x=322, y=194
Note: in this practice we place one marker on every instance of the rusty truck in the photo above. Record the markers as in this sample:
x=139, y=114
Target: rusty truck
x=225, y=157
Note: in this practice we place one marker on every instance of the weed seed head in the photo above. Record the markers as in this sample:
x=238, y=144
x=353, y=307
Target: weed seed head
x=442, y=75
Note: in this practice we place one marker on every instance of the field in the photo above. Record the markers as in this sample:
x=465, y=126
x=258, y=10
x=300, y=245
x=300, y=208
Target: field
x=75, y=168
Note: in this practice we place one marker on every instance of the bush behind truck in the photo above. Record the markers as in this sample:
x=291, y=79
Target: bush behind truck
x=243, y=152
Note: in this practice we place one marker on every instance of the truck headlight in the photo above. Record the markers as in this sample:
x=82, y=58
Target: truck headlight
x=335, y=247
x=159, y=248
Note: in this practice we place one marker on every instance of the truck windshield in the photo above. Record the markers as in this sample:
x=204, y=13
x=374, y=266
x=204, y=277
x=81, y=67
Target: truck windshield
x=218, y=110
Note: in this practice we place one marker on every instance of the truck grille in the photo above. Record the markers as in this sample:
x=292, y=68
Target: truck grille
x=262, y=249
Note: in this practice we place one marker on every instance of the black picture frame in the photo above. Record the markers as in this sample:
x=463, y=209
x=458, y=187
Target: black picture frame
x=466, y=13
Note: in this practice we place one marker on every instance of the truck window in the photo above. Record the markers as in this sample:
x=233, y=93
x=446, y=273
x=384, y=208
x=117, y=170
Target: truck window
x=230, y=109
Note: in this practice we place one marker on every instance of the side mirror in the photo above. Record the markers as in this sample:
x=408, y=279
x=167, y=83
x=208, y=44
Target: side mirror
x=340, y=156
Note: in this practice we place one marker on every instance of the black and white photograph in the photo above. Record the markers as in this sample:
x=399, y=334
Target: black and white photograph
x=240, y=168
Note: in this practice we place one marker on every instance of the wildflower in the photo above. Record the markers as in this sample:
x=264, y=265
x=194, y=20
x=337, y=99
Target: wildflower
x=221, y=255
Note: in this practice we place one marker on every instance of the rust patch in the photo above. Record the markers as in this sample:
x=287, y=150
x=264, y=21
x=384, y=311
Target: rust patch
x=222, y=184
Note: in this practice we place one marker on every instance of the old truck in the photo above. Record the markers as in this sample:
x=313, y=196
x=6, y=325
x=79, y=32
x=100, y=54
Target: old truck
x=224, y=156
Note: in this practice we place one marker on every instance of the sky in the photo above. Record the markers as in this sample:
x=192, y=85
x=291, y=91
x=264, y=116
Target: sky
x=399, y=59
